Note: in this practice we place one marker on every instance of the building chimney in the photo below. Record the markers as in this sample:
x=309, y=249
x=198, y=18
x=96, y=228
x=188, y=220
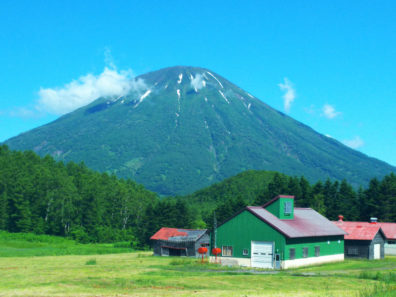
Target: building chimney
x=340, y=218
x=373, y=220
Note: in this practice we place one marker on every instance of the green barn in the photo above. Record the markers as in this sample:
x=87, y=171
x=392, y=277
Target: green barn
x=278, y=235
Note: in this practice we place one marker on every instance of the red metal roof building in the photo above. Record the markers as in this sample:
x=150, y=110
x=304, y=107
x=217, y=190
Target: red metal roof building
x=389, y=230
x=179, y=242
x=363, y=239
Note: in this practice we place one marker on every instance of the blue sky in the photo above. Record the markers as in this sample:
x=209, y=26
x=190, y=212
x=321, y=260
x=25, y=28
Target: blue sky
x=328, y=64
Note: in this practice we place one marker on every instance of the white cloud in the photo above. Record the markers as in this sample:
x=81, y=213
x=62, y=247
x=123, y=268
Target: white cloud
x=198, y=82
x=354, y=143
x=330, y=112
x=84, y=90
x=290, y=93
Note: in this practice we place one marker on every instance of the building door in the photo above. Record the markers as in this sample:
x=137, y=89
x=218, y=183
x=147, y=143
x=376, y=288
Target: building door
x=262, y=254
x=377, y=251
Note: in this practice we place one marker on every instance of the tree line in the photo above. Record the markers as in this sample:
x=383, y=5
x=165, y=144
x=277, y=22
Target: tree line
x=43, y=196
x=330, y=198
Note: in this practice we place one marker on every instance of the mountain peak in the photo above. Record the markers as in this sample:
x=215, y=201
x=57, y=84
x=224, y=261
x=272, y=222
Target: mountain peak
x=183, y=75
x=188, y=127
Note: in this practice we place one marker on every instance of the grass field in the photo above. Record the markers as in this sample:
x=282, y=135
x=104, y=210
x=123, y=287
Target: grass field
x=140, y=274
x=29, y=245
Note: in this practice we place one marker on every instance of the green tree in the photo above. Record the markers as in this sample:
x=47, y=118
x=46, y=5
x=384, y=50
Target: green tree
x=3, y=209
x=306, y=199
x=330, y=192
x=347, y=201
x=371, y=205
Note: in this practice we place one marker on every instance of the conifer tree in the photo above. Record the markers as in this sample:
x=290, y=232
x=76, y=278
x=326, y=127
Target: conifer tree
x=347, y=201
x=372, y=204
x=3, y=209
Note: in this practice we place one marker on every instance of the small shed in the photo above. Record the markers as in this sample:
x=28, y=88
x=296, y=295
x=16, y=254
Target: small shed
x=363, y=239
x=179, y=242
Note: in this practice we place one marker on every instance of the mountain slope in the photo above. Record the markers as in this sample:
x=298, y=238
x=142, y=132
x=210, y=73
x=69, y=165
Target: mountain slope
x=191, y=128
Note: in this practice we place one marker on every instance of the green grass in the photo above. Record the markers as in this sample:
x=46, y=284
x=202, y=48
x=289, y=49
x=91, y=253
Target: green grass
x=29, y=245
x=67, y=268
x=140, y=274
x=91, y=262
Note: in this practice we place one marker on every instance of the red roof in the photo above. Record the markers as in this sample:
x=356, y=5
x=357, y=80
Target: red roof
x=389, y=230
x=165, y=233
x=177, y=234
x=359, y=230
x=306, y=223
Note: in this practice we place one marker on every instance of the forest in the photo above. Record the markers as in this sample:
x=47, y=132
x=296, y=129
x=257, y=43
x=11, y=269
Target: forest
x=43, y=196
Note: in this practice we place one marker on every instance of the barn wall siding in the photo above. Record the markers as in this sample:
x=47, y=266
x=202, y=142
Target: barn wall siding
x=329, y=245
x=357, y=248
x=242, y=229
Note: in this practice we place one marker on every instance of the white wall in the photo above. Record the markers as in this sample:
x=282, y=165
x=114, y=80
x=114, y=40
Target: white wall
x=231, y=261
x=390, y=249
x=311, y=261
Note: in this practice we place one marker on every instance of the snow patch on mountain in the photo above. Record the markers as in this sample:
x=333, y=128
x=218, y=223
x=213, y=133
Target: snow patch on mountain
x=143, y=97
x=225, y=98
x=180, y=78
x=215, y=79
x=178, y=99
x=198, y=82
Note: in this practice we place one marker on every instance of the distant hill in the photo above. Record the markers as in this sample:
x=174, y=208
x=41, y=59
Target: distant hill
x=192, y=128
x=248, y=185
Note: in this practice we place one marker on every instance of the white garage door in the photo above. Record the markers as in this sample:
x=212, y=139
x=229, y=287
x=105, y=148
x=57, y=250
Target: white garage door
x=262, y=254
x=377, y=251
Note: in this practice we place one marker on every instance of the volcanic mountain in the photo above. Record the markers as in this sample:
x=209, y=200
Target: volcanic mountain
x=189, y=128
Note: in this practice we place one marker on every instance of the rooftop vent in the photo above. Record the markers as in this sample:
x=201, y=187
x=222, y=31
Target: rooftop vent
x=373, y=220
x=340, y=218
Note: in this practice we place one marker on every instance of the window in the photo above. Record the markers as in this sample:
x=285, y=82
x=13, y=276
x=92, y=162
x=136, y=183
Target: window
x=353, y=251
x=245, y=252
x=227, y=251
x=288, y=207
x=317, y=251
x=292, y=254
x=305, y=252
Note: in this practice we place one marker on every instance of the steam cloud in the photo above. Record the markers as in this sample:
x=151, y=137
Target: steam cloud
x=290, y=93
x=84, y=90
x=330, y=112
